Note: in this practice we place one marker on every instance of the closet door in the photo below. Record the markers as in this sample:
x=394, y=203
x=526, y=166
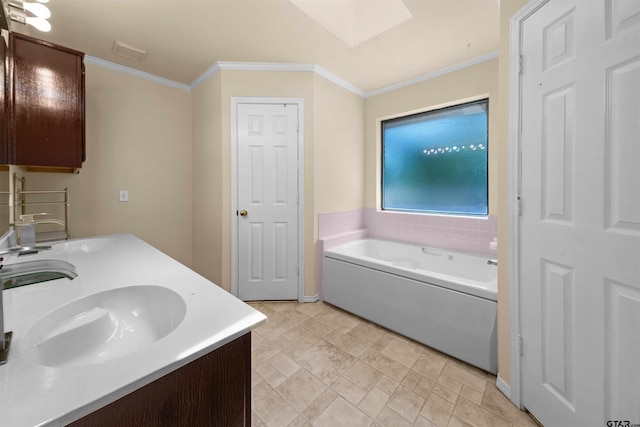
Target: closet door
x=580, y=223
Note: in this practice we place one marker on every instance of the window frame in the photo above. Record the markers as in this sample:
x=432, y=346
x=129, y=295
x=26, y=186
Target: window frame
x=435, y=110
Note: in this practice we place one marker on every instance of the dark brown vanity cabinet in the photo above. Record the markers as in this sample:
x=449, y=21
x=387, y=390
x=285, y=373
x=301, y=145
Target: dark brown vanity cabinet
x=44, y=105
x=212, y=391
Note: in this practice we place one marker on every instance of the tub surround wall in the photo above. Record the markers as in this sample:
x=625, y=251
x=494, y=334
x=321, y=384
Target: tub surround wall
x=334, y=229
x=337, y=223
x=465, y=234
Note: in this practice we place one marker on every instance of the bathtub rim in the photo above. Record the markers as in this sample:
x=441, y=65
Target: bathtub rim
x=455, y=283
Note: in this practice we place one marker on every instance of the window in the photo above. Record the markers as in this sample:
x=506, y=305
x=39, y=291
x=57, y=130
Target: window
x=436, y=161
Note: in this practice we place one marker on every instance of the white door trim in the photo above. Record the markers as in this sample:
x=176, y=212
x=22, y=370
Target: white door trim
x=235, y=100
x=515, y=102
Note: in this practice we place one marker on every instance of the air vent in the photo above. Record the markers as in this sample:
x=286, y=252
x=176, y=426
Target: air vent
x=128, y=51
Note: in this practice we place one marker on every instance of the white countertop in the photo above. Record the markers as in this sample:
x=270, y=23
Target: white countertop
x=35, y=395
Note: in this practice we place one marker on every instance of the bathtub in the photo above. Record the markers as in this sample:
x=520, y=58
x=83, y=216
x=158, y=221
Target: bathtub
x=443, y=299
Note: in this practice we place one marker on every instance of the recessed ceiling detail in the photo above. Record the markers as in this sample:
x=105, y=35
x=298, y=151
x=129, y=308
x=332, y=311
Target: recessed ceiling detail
x=355, y=21
x=128, y=51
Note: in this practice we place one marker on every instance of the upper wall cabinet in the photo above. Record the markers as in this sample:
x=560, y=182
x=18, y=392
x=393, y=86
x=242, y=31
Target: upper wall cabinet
x=44, y=105
x=3, y=99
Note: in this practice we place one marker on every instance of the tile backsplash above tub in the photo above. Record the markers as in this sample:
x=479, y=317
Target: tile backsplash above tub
x=465, y=234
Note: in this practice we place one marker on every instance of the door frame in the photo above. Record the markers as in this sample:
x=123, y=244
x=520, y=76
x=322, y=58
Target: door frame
x=514, y=391
x=235, y=101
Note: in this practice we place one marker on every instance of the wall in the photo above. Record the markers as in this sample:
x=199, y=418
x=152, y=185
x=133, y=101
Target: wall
x=481, y=79
x=4, y=198
x=269, y=84
x=333, y=121
x=507, y=9
x=449, y=232
x=138, y=138
x=208, y=180
x=339, y=165
x=339, y=148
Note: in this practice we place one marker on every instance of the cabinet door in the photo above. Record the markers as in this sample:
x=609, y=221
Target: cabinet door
x=3, y=104
x=46, y=104
x=213, y=390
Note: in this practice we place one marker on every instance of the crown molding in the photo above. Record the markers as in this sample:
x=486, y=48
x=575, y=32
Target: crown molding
x=269, y=66
x=136, y=73
x=338, y=81
x=432, y=75
x=247, y=66
x=264, y=66
x=285, y=67
x=209, y=72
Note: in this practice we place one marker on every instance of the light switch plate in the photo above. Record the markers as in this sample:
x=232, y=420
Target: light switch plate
x=124, y=196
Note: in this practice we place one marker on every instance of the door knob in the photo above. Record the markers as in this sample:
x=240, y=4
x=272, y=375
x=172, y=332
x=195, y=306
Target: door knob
x=243, y=212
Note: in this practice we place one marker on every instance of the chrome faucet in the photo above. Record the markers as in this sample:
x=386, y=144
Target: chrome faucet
x=28, y=273
x=25, y=233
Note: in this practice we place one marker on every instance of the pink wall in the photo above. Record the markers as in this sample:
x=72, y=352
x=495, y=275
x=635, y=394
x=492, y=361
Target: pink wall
x=466, y=234
x=334, y=229
x=334, y=224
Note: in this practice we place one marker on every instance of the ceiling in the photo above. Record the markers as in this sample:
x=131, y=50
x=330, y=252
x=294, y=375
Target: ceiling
x=186, y=37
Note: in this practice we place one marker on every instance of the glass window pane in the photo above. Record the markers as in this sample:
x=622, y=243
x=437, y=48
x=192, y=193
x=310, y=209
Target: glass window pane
x=437, y=161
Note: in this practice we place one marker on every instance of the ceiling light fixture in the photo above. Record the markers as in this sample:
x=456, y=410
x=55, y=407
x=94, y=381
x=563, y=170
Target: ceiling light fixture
x=37, y=9
x=18, y=13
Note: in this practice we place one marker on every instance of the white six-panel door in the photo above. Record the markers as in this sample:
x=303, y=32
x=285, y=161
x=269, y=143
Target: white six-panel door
x=580, y=223
x=267, y=167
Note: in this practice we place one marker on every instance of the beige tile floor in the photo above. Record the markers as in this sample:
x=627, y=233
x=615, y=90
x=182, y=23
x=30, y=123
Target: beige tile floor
x=316, y=365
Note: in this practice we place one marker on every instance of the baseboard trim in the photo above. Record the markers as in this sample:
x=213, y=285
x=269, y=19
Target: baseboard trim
x=312, y=298
x=503, y=387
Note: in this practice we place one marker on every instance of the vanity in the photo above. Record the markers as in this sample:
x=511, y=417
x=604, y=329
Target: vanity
x=136, y=339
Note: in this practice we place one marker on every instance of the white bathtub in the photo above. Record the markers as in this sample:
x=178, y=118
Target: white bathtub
x=443, y=299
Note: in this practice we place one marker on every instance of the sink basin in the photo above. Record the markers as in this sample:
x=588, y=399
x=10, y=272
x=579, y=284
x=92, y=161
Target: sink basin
x=103, y=326
x=84, y=245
